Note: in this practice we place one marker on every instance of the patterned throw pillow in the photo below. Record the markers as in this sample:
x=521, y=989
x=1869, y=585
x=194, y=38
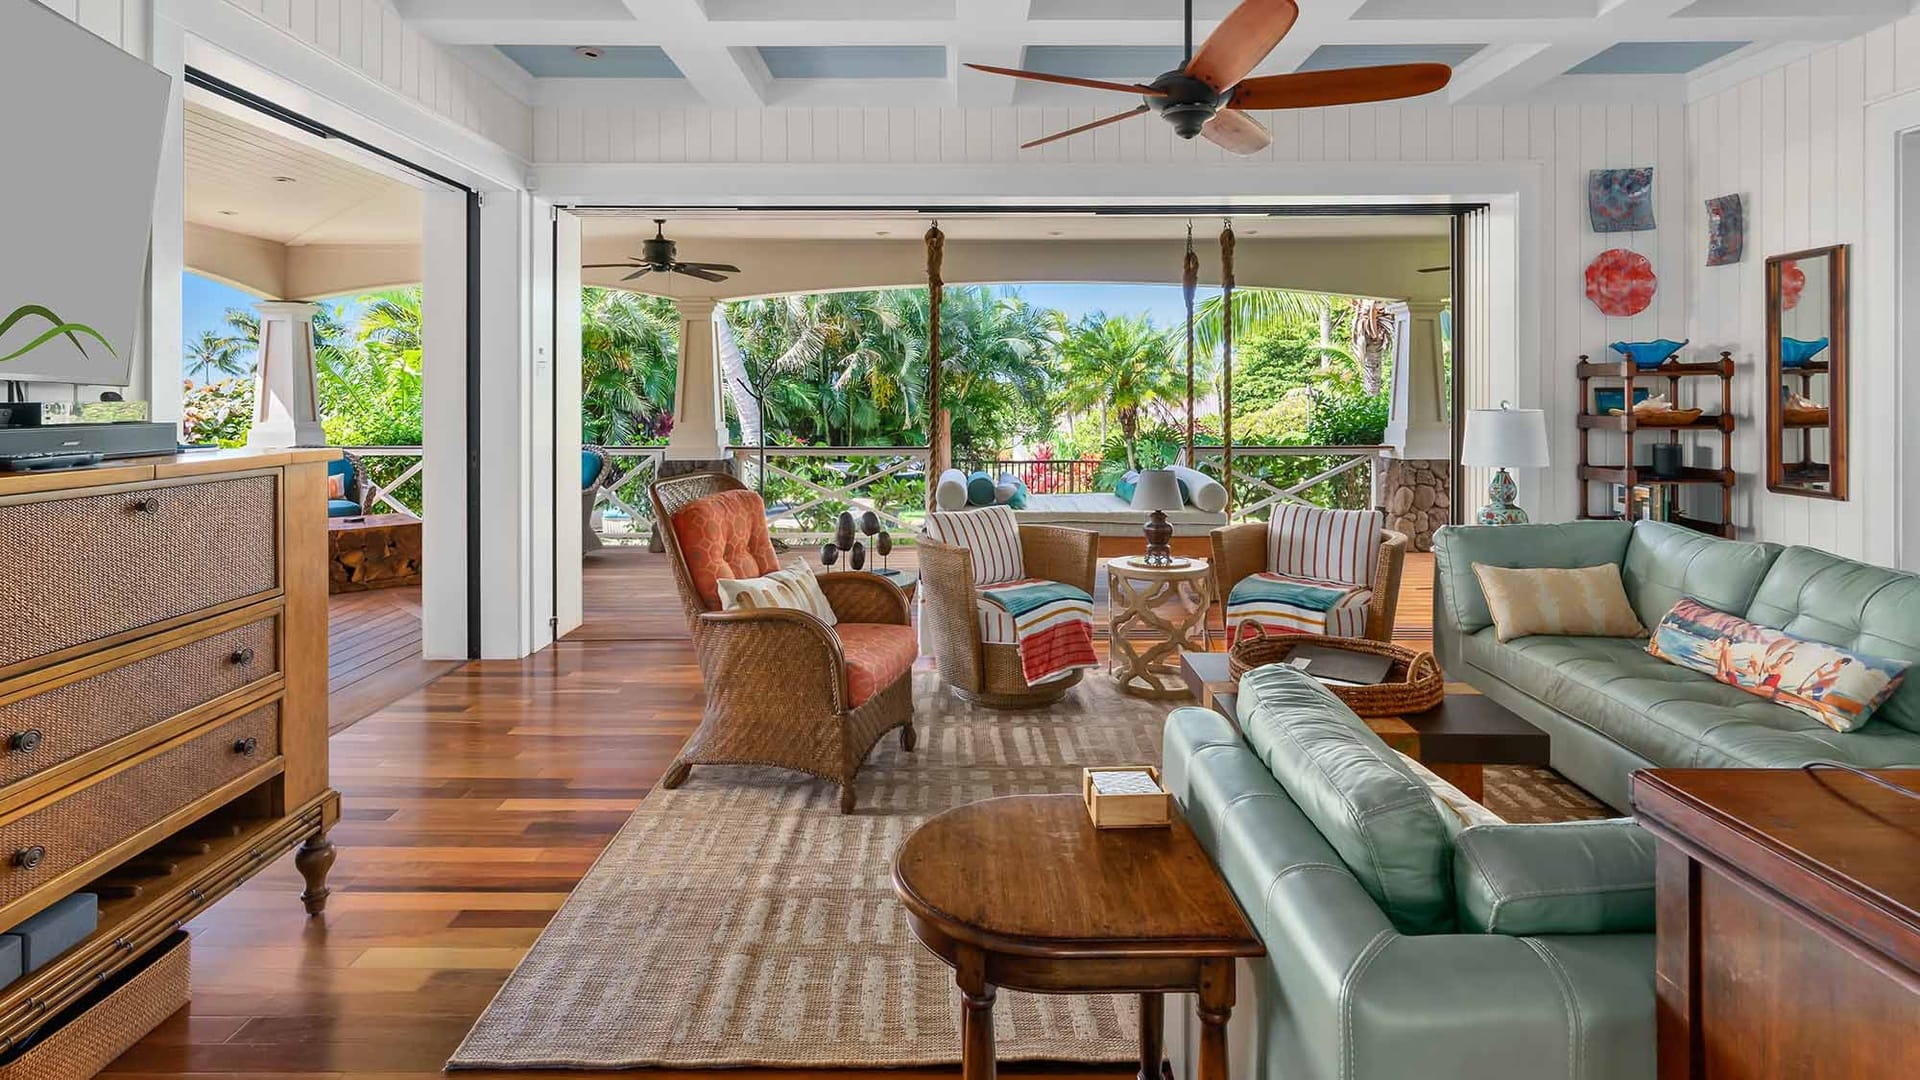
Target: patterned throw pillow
x=1340, y=546
x=1835, y=686
x=794, y=587
x=336, y=485
x=1587, y=602
x=990, y=534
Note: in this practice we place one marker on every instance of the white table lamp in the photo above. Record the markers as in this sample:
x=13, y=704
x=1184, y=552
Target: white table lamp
x=1157, y=490
x=1501, y=439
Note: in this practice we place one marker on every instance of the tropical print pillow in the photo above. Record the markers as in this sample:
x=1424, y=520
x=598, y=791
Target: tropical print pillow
x=1835, y=686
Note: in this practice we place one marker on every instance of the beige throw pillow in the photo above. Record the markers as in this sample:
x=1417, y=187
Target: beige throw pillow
x=1587, y=602
x=794, y=587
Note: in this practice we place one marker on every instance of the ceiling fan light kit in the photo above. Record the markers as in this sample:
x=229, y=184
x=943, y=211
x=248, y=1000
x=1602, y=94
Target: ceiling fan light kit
x=1209, y=97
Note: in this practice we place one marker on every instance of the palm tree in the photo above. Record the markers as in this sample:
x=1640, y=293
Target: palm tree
x=1124, y=364
x=214, y=354
x=1253, y=308
x=1372, y=325
x=629, y=352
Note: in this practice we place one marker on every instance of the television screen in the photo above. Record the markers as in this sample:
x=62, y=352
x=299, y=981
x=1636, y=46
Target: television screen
x=81, y=125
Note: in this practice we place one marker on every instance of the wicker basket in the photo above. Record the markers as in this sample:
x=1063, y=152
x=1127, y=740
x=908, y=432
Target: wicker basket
x=1413, y=684
x=85, y=1040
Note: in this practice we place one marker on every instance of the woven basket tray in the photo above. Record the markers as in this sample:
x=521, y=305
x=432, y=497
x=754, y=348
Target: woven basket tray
x=1413, y=684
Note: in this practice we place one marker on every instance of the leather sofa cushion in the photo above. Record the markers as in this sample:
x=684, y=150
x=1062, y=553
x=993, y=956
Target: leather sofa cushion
x=1371, y=809
x=1666, y=563
x=1567, y=546
x=1673, y=717
x=1859, y=607
x=1581, y=877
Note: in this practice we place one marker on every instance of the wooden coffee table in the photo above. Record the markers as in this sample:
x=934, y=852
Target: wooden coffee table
x=1456, y=739
x=1023, y=892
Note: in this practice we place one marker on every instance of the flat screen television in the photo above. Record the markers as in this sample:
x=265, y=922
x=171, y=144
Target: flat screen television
x=81, y=126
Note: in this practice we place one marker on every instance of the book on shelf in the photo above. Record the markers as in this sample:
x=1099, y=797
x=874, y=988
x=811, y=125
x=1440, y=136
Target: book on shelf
x=1649, y=502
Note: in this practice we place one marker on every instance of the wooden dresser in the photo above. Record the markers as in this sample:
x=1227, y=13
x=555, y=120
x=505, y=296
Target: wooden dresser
x=163, y=698
x=1789, y=923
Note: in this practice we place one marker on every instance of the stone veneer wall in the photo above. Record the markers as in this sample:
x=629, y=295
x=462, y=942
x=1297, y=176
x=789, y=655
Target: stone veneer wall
x=1419, y=499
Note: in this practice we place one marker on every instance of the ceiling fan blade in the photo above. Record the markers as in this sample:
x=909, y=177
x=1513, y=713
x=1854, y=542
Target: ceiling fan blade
x=1241, y=41
x=642, y=272
x=1237, y=133
x=1102, y=122
x=1070, y=80
x=721, y=267
x=1433, y=269
x=1341, y=86
x=703, y=275
x=608, y=266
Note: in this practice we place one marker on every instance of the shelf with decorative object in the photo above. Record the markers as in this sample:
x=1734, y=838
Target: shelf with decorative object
x=1626, y=380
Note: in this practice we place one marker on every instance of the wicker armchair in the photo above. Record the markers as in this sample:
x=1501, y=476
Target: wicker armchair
x=777, y=681
x=1240, y=551
x=990, y=673
x=595, y=465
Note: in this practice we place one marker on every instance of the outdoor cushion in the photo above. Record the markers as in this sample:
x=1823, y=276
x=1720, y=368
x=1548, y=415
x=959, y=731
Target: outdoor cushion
x=1587, y=601
x=342, y=508
x=979, y=488
x=589, y=469
x=341, y=466
x=1673, y=717
x=950, y=492
x=1811, y=594
x=1324, y=545
x=1372, y=809
x=1284, y=605
x=877, y=654
x=1580, y=877
x=793, y=587
x=996, y=624
x=1665, y=563
x=723, y=535
x=991, y=535
x=1203, y=491
x=1457, y=547
x=1835, y=686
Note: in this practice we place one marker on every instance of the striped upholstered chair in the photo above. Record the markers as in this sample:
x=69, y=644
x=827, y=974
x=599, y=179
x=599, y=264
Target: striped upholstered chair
x=1310, y=571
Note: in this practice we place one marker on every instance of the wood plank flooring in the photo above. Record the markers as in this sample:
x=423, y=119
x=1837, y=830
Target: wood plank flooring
x=472, y=805
x=373, y=652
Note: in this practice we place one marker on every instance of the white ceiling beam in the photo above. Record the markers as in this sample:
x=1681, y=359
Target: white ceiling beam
x=998, y=36
x=725, y=76
x=1505, y=73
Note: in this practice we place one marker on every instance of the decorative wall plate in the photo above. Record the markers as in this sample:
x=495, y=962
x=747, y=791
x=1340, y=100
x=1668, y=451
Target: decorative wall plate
x=1620, y=200
x=1726, y=230
x=1621, y=282
x=1793, y=282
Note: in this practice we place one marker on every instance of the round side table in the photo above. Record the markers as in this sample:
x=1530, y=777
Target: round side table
x=1170, y=604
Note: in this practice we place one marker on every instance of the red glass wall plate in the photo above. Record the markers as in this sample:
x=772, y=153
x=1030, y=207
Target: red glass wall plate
x=1793, y=282
x=1621, y=282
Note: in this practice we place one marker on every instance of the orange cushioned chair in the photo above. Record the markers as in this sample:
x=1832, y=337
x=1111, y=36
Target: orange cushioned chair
x=783, y=687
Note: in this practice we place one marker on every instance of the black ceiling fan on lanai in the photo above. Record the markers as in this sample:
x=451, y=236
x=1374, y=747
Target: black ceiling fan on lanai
x=659, y=255
x=1210, y=95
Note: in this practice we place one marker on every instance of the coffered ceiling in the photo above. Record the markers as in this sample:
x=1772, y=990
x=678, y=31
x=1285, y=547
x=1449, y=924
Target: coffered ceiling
x=746, y=53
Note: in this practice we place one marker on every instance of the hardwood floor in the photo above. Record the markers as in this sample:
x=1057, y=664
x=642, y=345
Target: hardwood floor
x=373, y=652
x=471, y=807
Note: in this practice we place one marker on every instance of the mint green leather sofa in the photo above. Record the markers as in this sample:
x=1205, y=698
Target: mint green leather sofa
x=1400, y=943
x=1611, y=708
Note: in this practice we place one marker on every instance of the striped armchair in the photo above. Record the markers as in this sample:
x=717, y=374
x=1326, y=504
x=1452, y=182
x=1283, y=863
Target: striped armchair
x=1309, y=570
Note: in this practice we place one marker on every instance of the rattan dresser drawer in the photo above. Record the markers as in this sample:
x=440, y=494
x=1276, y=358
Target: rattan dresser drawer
x=79, y=570
x=55, y=725
x=38, y=847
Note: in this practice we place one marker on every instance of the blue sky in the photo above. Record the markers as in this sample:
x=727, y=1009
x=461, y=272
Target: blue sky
x=204, y=303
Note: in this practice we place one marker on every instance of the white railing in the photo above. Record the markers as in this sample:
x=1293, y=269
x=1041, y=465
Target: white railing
x=1257, y=489
x=390, y=475
x=622, y=512
x=807, y=487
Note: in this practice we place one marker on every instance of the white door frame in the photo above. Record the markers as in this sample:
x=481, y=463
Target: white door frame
x=1887, y=262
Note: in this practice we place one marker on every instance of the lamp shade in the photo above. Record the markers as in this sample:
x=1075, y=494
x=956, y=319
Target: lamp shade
x=1505, y=438
x=1158, y=489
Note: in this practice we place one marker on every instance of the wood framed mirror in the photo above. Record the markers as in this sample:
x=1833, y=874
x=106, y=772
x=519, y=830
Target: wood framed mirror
x=1807, y=373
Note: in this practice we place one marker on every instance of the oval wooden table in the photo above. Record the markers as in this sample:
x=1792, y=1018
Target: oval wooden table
x=1023, y=892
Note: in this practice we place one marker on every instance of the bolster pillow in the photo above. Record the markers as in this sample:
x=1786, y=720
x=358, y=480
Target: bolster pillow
x=979, y=489
x=1010, y=492
x=950, y=493
x=1203, y=491
x=1125, y=486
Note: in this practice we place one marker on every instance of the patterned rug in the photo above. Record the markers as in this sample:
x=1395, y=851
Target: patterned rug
x=743, y=921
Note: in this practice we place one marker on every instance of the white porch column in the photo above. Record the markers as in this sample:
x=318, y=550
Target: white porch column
x=1419, y=428
x=286, y=404
x=699, y=419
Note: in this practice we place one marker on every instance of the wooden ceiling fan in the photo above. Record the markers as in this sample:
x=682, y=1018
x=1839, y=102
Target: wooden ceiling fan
x=660, y=255
x=1210, y=95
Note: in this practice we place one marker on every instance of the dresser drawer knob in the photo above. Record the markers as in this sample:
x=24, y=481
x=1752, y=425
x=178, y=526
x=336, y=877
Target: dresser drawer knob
x=144, y=506
x=24, y=742
x=246, y=747
x=242, y=656
x=29, y=857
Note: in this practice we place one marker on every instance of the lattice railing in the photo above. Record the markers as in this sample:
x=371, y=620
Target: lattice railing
x=393, y=476
x=807, y=487
x=1336, y=477
x=622, y=512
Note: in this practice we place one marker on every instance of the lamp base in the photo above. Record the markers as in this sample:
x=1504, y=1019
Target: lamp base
x=1159, y=533
x=1500, y=508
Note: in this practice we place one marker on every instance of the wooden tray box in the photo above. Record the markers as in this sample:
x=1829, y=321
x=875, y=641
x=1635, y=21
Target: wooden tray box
x=1126, y=811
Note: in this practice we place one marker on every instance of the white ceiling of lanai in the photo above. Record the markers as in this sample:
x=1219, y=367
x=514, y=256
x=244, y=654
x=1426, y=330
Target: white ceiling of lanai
x=747, y=53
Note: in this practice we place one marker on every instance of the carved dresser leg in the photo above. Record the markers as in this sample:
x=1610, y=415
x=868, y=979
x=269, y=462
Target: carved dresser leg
x=313, y=861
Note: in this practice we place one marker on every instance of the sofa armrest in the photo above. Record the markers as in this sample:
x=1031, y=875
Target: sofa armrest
x=1385, y=606
x=1054, y=553
x=1580, y=877
x=949, y=608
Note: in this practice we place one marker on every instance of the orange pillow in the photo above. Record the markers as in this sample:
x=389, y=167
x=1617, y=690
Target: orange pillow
x=724, y=536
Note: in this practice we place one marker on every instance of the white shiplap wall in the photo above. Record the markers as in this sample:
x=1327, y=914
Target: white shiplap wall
x=1566, y=140
x=1791, y=142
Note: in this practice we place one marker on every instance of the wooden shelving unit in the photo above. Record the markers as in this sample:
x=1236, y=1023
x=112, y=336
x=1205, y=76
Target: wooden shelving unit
x=1630, y=474
x=1804, y=470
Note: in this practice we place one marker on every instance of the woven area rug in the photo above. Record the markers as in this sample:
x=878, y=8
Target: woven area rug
x=743, y=921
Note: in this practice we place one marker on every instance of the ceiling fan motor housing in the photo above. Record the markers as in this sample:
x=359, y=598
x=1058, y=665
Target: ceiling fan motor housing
x=657, y=251
x=1185, y=102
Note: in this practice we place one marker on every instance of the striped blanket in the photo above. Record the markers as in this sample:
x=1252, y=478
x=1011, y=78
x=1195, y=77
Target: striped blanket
x=1052, y=626
x=1297, y=606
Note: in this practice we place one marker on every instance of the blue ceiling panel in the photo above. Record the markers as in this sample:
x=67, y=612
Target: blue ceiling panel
x=1346, y=56
x=855, y=61
x=1104, y=61
x=615, y=62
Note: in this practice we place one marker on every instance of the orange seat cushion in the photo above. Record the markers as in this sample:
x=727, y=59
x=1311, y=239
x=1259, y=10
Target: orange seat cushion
x=724, y=536
x=877, y=654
